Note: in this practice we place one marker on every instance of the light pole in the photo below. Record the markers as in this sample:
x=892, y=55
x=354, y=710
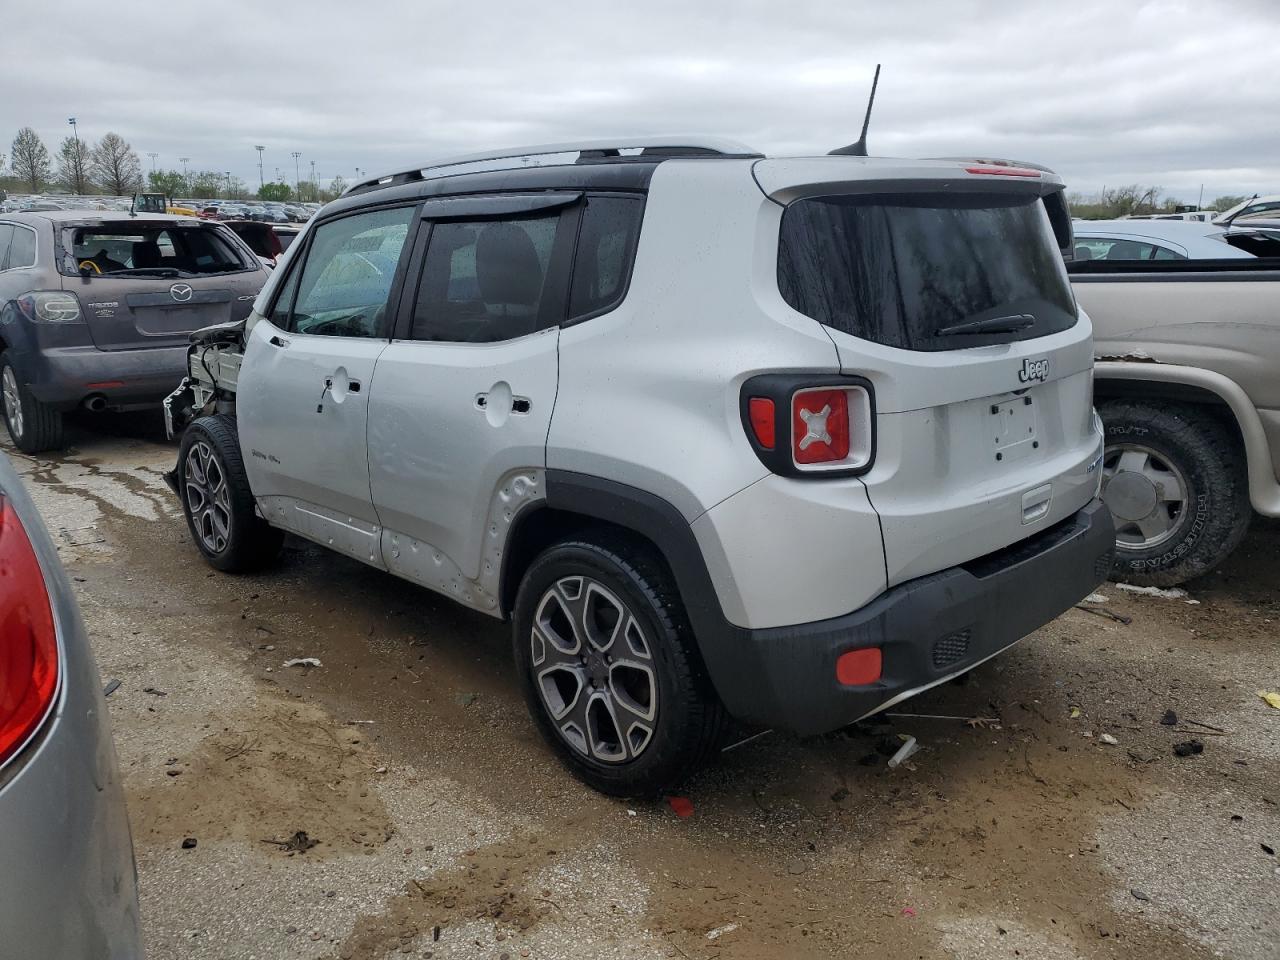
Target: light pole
x=297, y=176
x=227, y=175
x=153, y=161
x=183, y=161
x=261, y=181
x=75, y=135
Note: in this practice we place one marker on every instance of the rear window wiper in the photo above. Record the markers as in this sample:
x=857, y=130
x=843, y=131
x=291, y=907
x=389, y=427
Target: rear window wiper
x=1010, y=324
x=145, y=272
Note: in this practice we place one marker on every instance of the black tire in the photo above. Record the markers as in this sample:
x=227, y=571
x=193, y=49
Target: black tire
x=688, y=718
x=225, y=528
x=1198, y=451
x=36, y=426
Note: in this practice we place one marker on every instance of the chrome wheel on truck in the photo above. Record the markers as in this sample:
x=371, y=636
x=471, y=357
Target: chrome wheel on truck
x=1146, y=494
x=1174, y=479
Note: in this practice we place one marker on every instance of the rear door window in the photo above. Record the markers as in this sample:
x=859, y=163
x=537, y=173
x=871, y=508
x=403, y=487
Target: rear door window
x=484, y=281
x=924, y=271
x=6, y=235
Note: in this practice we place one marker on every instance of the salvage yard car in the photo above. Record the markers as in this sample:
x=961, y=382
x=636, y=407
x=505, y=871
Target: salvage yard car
x=1187, y=334
x=784, y=440
x=68, y=887
x=96, y=308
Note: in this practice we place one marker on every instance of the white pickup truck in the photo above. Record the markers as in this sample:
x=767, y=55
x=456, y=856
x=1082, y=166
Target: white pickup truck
x=1188, y=385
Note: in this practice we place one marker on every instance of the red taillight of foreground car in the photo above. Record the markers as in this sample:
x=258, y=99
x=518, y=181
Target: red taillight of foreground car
x=857, y=668
x=28, y=642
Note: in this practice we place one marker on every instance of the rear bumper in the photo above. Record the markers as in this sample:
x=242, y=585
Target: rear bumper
x=928, y=629
x=65, y=376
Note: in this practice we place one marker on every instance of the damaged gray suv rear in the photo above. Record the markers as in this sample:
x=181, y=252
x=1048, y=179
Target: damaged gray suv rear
x=95, y=310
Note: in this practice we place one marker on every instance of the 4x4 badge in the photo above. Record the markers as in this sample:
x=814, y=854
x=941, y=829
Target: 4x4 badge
x=180, y=292
x=1034, y=370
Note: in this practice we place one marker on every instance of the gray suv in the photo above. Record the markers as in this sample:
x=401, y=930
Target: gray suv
x=95, y=309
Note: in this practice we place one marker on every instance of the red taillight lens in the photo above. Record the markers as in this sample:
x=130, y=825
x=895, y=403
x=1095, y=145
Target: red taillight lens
x=819, y=426
x=28, y=643
x=760, y=410
x=859, y=667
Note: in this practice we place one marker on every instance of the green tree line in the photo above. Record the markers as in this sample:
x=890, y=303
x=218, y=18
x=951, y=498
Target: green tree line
x=111, y=167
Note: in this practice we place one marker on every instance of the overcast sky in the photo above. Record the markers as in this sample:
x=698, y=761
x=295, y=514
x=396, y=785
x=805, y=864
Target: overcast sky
x=1174, y=93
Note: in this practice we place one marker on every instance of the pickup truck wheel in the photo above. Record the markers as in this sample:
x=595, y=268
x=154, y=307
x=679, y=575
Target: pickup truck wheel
x=1174, y=479
x=33, y=426
x=217, y=502
x=607, y=662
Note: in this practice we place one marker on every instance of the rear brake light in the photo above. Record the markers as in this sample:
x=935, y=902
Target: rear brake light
x=762, y=421
x=28, y=642
x=831, y=428
x=1003, y=171
x=857, y=668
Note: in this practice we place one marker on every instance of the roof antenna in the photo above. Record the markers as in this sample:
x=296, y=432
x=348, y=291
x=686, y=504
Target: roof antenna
x=859, y=149
x=1243, y=207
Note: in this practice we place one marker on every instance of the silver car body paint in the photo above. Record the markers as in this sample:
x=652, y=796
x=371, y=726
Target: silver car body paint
x=68, y=886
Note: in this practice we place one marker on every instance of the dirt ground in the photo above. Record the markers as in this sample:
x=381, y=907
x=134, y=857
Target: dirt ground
x=443, y=827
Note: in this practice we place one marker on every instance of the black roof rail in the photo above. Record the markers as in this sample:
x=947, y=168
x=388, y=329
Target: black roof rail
x=586, y=150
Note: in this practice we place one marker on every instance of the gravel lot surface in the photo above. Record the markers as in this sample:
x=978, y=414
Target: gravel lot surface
x=443, y=828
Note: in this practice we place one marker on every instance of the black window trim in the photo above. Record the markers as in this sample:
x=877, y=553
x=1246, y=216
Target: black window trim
x=560, y=265
x=298, y=263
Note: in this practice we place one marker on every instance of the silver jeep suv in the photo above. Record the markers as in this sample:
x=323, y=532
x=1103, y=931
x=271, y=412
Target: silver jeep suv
x=784, y=440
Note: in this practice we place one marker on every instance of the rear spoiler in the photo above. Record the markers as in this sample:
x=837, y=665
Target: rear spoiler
x=1055, y=202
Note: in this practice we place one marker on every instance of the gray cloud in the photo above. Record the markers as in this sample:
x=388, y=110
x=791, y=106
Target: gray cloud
x=1171, y=92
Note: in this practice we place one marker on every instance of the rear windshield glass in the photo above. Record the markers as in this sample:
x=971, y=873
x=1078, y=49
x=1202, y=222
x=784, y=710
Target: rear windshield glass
x=137, y=249
x=925, y=272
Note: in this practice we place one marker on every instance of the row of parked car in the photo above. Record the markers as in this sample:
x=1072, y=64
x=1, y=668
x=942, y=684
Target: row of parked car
x=782, y=441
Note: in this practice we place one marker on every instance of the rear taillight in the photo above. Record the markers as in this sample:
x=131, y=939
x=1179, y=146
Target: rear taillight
x=50, y=306
x=803, y=426
x=831, y=428
x=28, y=642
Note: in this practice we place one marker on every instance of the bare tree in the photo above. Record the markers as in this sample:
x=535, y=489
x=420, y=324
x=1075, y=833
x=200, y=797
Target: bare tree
x=30, y=159
x=73, y=165
x=115, y=165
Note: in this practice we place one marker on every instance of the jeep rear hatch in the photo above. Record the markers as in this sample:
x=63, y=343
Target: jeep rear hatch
x=150, y=282
x=943, y=285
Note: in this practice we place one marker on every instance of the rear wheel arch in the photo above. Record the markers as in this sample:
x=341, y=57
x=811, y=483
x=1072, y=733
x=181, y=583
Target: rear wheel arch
x=577, y=503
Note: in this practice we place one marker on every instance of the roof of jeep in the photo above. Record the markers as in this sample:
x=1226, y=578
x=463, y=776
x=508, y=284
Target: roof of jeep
x=634, y=173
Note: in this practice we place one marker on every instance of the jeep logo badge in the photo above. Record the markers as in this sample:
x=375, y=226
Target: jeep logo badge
x=180, y=292
x=1036, y=371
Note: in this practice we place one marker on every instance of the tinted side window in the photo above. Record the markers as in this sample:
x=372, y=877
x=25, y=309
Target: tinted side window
x=6, y=234
x=487, y=280
x=345, y=282
x=284, y=298
x=22, y=252
x=606, y=250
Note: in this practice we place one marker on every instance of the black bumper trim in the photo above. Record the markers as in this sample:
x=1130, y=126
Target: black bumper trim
x=929, y=629
x=784, y=677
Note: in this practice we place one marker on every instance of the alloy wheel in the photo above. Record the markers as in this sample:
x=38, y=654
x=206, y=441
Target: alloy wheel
x=594, y=670
x=1147, y=495
x=12, y=401
x=208, y=497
